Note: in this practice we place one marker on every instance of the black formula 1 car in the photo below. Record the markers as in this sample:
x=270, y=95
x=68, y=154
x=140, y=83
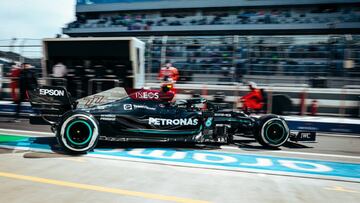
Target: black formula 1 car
x=148, y=115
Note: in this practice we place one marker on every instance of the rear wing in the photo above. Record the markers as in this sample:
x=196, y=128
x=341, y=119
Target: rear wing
x=50, y=101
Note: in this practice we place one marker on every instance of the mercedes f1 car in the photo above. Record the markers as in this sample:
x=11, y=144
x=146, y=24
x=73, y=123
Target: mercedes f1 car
x=146, y=115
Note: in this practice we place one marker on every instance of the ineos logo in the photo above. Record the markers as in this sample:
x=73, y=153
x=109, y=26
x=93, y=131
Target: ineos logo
x=51, y=92
x=147, y=95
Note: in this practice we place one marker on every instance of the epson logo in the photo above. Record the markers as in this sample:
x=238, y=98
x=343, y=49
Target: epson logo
x=147, y=95
x=181, y=121
x=51, y=92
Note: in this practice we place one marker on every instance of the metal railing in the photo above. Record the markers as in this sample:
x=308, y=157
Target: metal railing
x=225, y=59
x=309, y=56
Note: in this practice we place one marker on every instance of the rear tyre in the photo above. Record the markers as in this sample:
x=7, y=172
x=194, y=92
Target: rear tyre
x=78, y=132
x=272, y=131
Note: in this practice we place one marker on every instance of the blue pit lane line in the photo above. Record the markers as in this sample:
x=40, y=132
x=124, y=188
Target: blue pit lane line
x=207, y=159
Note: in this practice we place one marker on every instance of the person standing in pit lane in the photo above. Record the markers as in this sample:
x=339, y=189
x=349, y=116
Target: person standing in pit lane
x=27, y=81
x=253, y=100
x=168, y=72
x=59, y=73
x=14, y=84
x=168, y=76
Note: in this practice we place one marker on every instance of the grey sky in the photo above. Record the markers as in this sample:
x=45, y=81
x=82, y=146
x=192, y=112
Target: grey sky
x=34, y=18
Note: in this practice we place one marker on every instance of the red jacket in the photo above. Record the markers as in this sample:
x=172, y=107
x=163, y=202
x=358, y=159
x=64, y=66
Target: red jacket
x=15, y=74
x=171, y=72
x=253, y=100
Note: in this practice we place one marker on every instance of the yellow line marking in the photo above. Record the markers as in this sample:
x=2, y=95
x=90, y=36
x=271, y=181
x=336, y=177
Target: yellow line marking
x=74, y=159
x=341, y=189
x=100, y=188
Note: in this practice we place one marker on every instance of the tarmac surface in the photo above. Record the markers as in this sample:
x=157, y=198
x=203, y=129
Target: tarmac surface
x=328, y=170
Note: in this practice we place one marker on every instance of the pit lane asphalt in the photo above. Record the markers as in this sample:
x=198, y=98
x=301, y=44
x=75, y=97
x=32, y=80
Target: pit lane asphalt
x=342, y=146
x=83, y=179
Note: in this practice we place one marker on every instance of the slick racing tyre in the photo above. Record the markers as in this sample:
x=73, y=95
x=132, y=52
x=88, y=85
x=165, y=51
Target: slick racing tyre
x=78, y=132
x=272, y=131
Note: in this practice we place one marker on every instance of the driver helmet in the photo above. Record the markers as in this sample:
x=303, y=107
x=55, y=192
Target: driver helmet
x=166, y=87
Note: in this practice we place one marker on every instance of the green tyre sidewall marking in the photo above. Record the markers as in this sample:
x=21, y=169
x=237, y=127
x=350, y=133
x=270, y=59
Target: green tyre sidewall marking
x=271, y=140
x=77, y=143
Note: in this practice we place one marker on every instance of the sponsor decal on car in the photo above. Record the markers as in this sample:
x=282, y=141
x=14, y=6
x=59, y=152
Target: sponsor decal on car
x=209, y=122
x=180, y=121
x=94, y=100
x=51, y=92
x=128, y=107
x=223, y=114
x=108, y=117
x=147, y=95
x=144, y=107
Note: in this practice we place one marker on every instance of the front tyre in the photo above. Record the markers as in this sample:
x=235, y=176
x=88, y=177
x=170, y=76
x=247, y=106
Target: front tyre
x=78, y=132
x=272, y=132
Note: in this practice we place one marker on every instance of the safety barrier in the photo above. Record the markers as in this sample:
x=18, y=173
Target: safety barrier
x=305, y=100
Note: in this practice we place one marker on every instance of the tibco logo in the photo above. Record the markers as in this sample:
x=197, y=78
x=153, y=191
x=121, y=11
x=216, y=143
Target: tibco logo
x=181, y=121
x=147, y=95
x=51, y=92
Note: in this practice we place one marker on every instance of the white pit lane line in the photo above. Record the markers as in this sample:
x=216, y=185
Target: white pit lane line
x=25, y=132
x=300, y=153
x=318, y=154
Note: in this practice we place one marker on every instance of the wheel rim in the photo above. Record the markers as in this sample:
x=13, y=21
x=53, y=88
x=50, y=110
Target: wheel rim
x=79, y=132
x=274, y=133
x=74, y=147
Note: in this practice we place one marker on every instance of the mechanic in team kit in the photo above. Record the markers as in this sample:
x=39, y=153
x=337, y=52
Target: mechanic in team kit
x=14, y=85
x=168, y=72
x=59, y=73
x=168, y=76
x=27, y=81
x=253, y=100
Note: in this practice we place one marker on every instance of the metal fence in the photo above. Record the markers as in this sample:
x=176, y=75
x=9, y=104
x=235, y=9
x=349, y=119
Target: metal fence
x=226, y=59
x=320, y=61
x=22, y=50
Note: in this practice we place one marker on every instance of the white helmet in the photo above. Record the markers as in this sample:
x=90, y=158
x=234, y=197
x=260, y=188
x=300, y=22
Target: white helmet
x=252, y=84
